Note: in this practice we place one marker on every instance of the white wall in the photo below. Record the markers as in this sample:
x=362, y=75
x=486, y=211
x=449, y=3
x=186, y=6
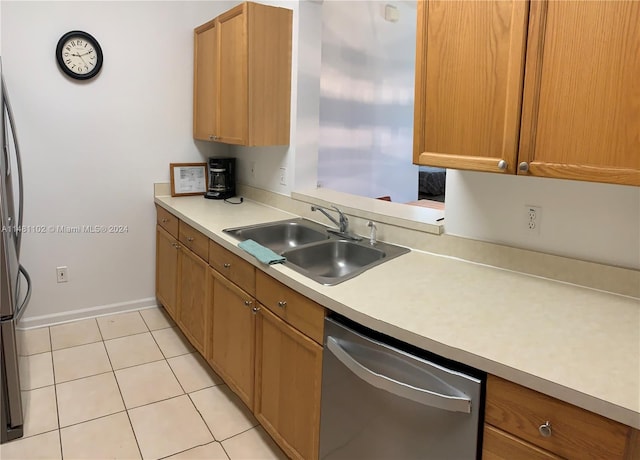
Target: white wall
x=366, y=101
x=583, y=220
x=92, y=151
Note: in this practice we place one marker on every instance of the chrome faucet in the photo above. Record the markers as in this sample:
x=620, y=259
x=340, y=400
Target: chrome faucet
x=373, y=234
x=342, y=224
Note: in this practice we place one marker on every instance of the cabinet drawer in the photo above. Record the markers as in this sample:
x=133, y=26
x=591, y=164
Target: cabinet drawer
x=297, y=310
x=498, y=445
x=194, y=240
x=235, y=268
x=167, y=221
x=575, y=432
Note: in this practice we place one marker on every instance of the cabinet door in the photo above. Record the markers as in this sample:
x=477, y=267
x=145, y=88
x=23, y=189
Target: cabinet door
x=288, y=378
x=469, y=73
x=232, y=116
x=166, y=270
x=205, y=82
x=581, y=116
x=192, y=293
x=233, y=337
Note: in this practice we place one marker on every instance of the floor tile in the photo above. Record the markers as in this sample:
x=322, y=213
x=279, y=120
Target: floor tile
x=168, y=427
x=106, y=437
x=132, y=350
x=33, y=341
x=81, y=361
x=75, y=333
x=121, y=325
x=223, y=411
x=254, y=444
x=193, y=372
x=40, y=410
x=147, y=383
x=44, y=446
x=172, y=342
x=88, y=398
x=157, y=318
x=36, y=371
x=211, y=451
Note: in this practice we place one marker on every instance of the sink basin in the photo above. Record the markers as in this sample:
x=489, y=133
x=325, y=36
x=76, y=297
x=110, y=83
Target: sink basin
x=334, y=261
x=282, y=235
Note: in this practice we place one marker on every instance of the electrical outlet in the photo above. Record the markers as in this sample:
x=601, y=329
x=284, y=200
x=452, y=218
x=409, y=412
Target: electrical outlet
x=283, y=176
x=62, y=274
x=533, y=218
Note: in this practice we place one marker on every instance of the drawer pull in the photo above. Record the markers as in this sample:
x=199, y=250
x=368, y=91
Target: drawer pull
x=189, y=239
x=226, y=265
x=255, y=310
x=282, y=303
x=545, y=429
x=248, y=303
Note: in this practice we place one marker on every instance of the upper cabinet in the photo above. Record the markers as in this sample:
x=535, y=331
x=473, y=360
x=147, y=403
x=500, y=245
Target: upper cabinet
x=544, y=89
x=242, y=76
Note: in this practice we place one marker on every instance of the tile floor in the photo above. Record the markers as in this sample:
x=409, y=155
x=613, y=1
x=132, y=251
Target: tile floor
x=128, y=386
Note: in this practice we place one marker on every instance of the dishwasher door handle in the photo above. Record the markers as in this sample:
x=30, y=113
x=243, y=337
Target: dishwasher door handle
x=401, y=389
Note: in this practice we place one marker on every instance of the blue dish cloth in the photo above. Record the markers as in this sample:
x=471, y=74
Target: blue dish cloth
x=264, y=255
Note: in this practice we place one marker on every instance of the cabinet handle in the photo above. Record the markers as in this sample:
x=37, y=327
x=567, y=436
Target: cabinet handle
x=189, y=239
x=175, y=245
x=545, y=429
x=226, y=265
x=282, y=303
x=502, y=165
x=524, y=166
x=164, y=220
x=255, y=310
x=213, y=138
x=248, y=303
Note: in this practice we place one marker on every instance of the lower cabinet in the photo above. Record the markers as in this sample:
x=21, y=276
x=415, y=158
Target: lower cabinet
x=288, y=378
x=232, y=347
x=192, y=293
x=523, y=424
x=167, y=270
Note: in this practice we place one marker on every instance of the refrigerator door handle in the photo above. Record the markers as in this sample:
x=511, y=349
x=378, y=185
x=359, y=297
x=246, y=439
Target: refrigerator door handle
x=401, y=389
x=27, y=296
x=11, y=373
x=7, y=103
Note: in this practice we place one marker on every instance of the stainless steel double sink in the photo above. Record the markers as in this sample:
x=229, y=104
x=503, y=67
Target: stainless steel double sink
x=316, y=253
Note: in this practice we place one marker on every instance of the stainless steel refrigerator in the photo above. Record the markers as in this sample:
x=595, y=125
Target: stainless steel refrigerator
x=13, y=296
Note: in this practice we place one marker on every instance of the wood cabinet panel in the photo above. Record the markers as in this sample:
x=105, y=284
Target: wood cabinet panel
x=167, y=221
x=576, y=433
x=192, y=296
x=582, y=92
x=301, y=312
x=469, y=71
x=499, y=445
x=205, y=81
x=232, y=351
x=288, y=380
x=194, y=240
x=167, y=253
x=233, y=267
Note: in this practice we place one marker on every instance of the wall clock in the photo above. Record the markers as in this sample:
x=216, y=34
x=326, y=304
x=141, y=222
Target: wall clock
x=79, y=55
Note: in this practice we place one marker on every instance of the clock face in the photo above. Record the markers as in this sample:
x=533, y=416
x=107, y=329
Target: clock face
x=79, y=55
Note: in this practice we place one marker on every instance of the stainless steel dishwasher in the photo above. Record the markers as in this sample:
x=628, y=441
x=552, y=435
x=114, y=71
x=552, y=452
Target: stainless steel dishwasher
x=382, y=401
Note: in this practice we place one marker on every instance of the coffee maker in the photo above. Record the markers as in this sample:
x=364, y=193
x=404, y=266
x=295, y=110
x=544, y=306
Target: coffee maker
x=222, y=178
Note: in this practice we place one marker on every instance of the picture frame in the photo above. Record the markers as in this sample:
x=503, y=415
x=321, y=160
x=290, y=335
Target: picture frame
x=188, y=178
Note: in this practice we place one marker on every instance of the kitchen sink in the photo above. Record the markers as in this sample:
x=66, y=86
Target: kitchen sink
x=312, y=251
x=282, y=235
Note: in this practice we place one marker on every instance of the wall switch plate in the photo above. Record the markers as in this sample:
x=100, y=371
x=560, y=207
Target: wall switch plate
x=533, y=219
x=283, y=176
x=62, y=274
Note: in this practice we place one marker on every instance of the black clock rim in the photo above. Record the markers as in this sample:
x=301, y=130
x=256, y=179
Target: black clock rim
x=85, y=36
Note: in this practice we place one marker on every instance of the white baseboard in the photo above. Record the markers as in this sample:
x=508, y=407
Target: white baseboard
x=85, y=313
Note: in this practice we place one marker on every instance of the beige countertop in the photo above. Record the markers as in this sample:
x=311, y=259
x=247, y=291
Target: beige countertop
x=577, y=344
